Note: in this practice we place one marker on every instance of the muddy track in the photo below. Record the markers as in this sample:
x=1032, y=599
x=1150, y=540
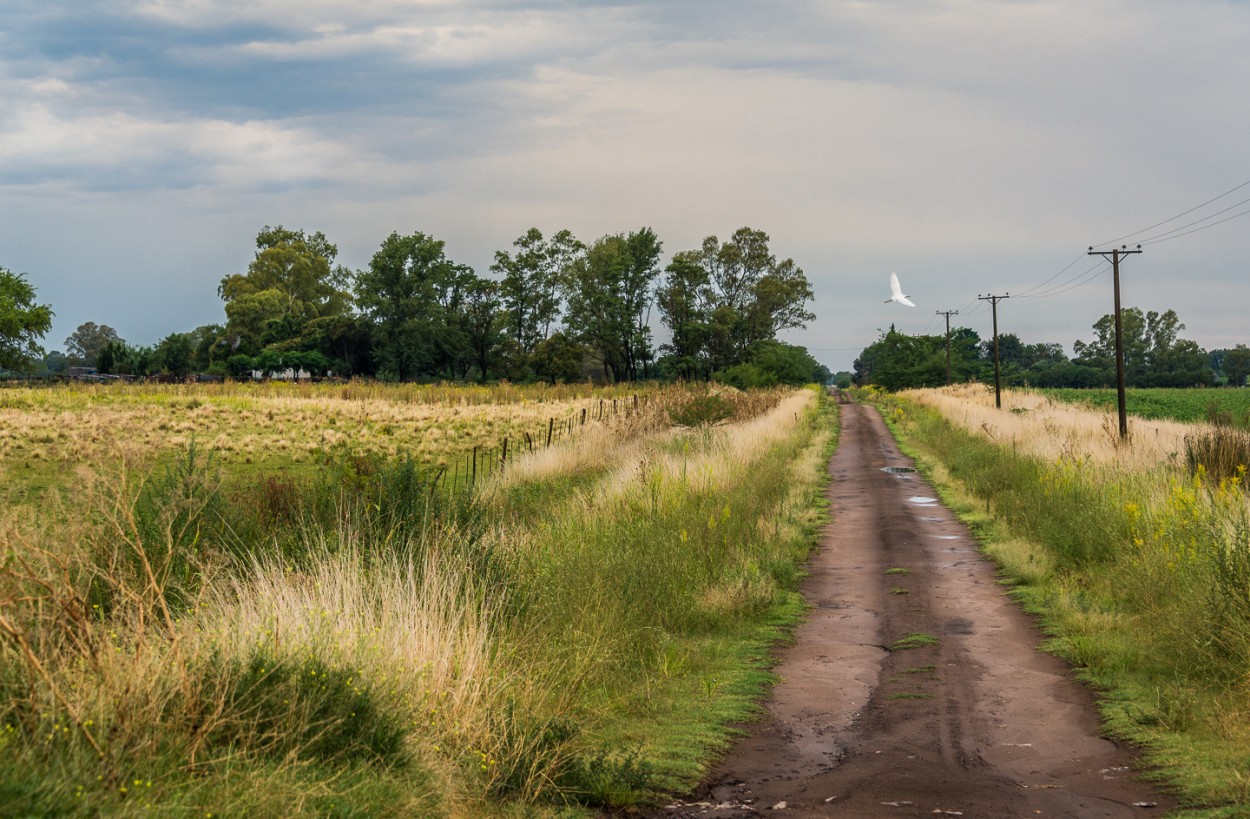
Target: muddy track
x=915, y=687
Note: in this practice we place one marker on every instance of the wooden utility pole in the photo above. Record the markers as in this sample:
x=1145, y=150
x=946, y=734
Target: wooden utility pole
x=998, y=390
x=948, y=314
x=1114, y=258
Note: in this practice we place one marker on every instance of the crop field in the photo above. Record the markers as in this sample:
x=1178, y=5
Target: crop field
x=1230, y=406
x=293, y=600
x=1134, y=552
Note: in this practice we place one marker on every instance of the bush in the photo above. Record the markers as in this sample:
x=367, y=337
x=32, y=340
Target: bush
x=702, y=411
x=307, y=710
x=1222, y=453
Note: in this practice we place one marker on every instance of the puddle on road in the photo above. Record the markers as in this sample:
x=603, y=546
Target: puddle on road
x=897, y=470
x=946, y=537
x=921, y=500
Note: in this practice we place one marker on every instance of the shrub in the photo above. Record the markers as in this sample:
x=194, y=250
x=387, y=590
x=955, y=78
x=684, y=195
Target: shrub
x=702, y=411
x=1223, y=452
x=308, y=710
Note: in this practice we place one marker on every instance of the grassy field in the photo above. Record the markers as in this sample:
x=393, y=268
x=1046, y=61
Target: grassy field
x=184, y=632
x=1230, y=406
x=49, y=434
x=1135, y=554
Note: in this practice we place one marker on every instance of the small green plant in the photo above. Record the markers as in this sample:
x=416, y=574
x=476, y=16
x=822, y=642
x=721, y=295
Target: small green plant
x=610, y=779
x=913, y=640
x=908, y=695
x=309, y=710
x=921, y=669
x=899, y=590
x=897, y=570
x=702, y=411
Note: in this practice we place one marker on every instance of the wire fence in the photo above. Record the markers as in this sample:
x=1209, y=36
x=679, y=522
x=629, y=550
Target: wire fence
x=465, y=469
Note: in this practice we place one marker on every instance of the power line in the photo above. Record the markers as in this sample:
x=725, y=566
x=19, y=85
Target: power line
x=1069, y=266
x=1177, y=216
x=1165, y=237
x=1079, y=280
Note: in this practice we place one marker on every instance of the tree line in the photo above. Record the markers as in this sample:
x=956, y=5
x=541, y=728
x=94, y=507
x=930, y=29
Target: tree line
x=553, y=308
x=1154, y=356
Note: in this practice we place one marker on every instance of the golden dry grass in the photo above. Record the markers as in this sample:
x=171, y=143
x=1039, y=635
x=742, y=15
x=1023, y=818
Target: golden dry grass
x=1055, y=430
x=58, y=429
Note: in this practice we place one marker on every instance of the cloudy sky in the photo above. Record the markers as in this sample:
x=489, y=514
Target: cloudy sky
x=974, y=146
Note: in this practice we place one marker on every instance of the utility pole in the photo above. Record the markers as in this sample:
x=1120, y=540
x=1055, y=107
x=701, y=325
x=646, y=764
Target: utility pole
x=998, y=390
x=948, y=314
x=1114, y=258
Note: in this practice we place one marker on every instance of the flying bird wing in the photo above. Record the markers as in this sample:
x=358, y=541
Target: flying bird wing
x=896, y=292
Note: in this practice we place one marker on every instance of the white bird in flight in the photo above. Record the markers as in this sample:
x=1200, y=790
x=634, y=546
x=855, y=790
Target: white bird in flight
x=896, y=292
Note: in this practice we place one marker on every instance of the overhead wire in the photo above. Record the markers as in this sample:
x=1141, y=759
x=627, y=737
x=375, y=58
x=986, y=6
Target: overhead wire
x=1177, y=216
x=1079, y=280
x=1167, y=236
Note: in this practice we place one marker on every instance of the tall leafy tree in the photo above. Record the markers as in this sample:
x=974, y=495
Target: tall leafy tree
x=483, y=323
x=532, y=280
x=84, y=344
x=684, y=303
x=609, y=298
x=175, y=354
x=1236, y=365
x=23, y=322
x=1154, y=353
x=291, y=280
x=898, y=361
x=408, y=292
x=754, y=296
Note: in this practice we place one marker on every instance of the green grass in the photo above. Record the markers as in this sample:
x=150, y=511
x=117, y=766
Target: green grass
x=1230, y=405
x=629, y=631
x=913, y=641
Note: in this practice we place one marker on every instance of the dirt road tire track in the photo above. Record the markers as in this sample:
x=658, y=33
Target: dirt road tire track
x=963, y=717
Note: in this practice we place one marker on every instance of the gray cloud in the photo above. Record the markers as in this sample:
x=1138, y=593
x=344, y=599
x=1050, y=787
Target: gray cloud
x=970, y=145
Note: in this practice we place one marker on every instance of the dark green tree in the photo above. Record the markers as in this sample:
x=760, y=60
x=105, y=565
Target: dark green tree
x=896, y=361
x=1154, y=353
x=532, y=281
x=483, y=323
x=753, y=296
x=558, y=359
x=400, y=294
x=775, y=362
x=175, y=354
x=1236, y=365
x=84, y=344
x=291, y=280
x=22, y=322
x=55, y=363
x=609, y=297
x=684, y=303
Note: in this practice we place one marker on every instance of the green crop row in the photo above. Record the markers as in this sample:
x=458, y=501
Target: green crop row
x=1226, y=406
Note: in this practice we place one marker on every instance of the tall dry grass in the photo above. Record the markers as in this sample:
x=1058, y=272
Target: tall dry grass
x=361, y=655
x=1031, y=423
x=354, y=643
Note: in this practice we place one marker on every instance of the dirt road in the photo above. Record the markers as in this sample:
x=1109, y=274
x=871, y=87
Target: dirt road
x=915, y=687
